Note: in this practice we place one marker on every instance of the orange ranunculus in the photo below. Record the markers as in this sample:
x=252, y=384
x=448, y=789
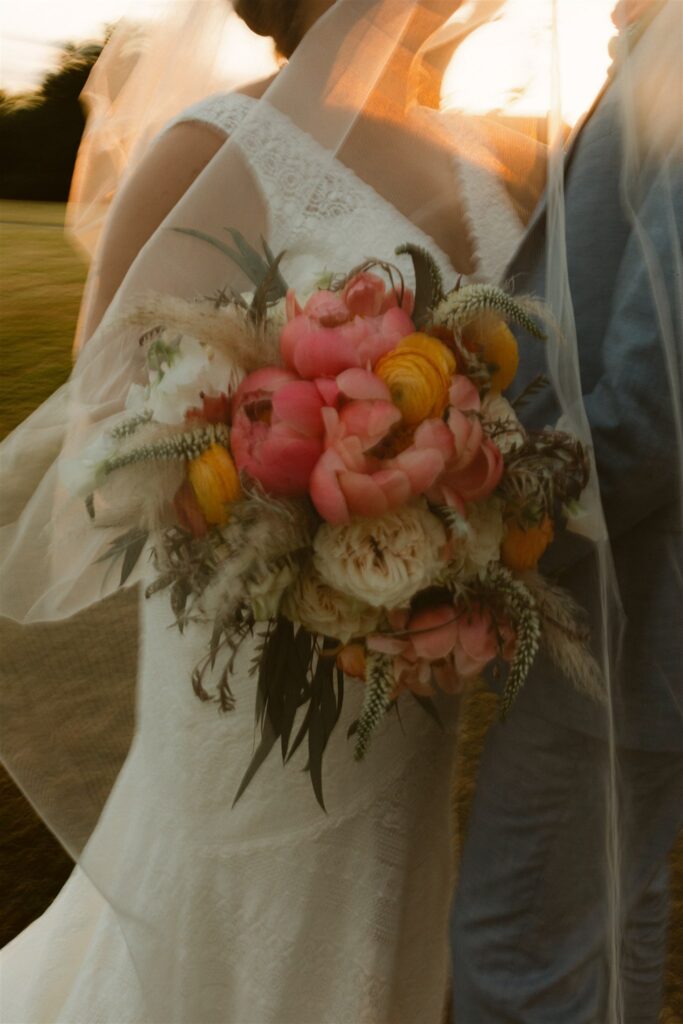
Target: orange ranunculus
x=494, y=340
x=521, y=549
x=418, y=374
x=215, y=482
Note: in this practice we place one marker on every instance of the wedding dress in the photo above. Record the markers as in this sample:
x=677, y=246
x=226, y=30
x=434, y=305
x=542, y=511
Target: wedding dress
x=270, y=912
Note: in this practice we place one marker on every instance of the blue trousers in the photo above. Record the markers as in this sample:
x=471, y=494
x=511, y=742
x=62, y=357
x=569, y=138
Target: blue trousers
x=531, y=917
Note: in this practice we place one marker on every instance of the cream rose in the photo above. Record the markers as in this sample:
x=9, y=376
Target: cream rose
x=383, y=561
x=321, y=609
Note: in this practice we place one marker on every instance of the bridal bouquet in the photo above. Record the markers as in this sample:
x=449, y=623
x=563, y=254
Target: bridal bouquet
x=340, y=475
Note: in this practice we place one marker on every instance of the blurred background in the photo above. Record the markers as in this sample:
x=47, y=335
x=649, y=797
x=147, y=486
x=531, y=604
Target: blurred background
x=47, y=52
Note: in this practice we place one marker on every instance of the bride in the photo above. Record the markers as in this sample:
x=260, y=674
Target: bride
x=181, y=907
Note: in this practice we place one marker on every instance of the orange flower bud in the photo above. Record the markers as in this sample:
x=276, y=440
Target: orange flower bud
x=496, y=343
x=418, y=374
x=215, y=482
x=351, y=660
x=521, y=549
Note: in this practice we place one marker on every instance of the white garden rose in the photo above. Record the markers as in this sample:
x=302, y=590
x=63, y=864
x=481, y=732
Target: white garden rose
x=383, y=561
x=496, y=409
x=320, y=609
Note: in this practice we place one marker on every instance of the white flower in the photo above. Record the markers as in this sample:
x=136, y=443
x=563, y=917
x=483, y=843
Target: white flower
x=195, y=369
x=384, y=561
x=80, y=476
x=265, y=591
x=496, y=409
x=321, y=609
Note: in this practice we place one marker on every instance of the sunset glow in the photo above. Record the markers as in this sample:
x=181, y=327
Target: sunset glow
x=502, y=67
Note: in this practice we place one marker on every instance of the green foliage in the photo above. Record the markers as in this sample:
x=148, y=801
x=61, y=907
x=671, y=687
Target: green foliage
x=40, y=132
x=41, y=280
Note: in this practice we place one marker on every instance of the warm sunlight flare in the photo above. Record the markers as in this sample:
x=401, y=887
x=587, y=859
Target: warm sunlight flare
x=491, y=71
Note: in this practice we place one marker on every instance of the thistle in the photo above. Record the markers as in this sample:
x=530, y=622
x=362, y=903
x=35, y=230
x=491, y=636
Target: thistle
x=378, y=697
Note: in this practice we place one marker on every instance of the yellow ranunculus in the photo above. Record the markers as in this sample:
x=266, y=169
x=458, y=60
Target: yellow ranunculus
x=418, y=374
x=494, y=340
x=215, y=482
x=521, y=549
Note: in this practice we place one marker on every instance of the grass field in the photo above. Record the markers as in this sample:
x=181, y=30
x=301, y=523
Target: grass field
x=41, y=279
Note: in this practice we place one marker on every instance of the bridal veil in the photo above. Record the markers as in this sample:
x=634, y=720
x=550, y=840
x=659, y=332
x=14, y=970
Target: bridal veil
x=488, y=85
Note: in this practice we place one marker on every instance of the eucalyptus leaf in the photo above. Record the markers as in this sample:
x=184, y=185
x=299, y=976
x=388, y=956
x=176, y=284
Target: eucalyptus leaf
x=268, y=740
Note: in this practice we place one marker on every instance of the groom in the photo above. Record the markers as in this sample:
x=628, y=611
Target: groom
x=531, y=919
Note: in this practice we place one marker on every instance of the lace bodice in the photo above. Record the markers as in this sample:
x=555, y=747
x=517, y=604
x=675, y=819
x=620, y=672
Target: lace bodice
x=286, y=161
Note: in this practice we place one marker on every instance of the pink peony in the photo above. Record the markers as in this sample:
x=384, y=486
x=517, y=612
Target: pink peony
x=476, y=465
x=338, y=330
x=424, y=644
x=349, y=481
x=442, y=644
x=277, y=430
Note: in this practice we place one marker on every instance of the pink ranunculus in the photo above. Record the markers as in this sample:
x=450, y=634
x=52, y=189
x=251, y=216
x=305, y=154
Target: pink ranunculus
x=277, y=431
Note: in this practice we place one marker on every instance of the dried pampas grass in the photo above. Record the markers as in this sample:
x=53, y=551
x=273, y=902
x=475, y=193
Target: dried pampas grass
x=565, y=636
x=228, y=329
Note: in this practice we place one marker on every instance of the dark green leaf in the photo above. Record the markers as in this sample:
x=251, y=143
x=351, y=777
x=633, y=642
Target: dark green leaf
x=301, y=734
x=296, y=689
x=128, y=546
x=268, y=739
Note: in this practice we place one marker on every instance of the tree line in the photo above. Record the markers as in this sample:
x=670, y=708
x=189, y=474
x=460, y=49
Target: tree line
x=40, y=131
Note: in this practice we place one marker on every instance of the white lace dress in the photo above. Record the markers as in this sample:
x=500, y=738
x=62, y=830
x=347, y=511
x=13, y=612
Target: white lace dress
x=185, y=910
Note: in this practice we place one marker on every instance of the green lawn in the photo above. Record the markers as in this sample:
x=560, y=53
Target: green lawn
x=41, y=278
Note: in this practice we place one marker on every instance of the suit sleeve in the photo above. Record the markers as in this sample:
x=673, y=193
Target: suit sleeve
x=633, y=409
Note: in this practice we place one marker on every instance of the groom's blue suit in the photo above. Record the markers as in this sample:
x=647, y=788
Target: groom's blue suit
x=529, y=920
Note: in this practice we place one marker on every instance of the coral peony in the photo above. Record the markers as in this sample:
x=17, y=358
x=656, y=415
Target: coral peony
x=349, y=481
x=214, y=480
x=277, y=432
x=476, y=464
x=336, y=331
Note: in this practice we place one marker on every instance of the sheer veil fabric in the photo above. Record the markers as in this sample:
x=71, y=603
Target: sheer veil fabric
x=273, y=911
